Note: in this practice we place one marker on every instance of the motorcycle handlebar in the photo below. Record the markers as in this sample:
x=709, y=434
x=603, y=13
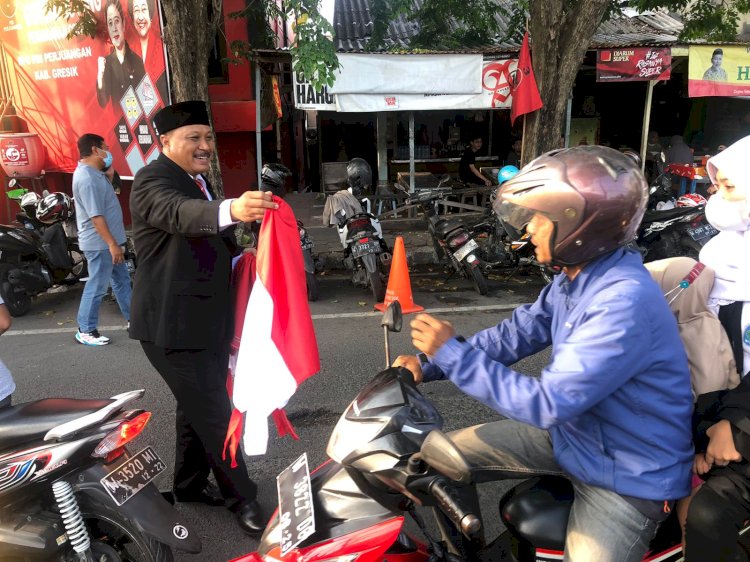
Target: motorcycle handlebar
x=450, y=503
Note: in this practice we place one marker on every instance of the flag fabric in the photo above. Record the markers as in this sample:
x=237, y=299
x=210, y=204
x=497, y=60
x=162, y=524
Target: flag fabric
x=278, y=349
x=523, y=85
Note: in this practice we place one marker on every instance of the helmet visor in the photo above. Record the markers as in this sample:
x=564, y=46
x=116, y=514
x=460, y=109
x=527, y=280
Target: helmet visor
x=513, y=215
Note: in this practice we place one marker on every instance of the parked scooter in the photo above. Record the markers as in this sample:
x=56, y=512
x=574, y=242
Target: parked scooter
x=453, y=241
x=388, y=457
x=71, y=491
x=273, y=177
x=366, y=253
x=35, y=255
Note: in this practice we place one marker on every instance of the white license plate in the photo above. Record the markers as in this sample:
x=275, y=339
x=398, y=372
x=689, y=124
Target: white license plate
x=131, y=476
x=466, y=249
x=296, y=516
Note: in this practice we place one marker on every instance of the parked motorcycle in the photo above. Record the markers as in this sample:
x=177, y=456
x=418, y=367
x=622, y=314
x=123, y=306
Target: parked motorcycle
x=35, y=255
x=70, y=490
x=389, y=457
x=452, y=240
x=273, y=177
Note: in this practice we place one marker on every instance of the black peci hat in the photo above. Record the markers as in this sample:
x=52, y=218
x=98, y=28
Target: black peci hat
x=179, y=115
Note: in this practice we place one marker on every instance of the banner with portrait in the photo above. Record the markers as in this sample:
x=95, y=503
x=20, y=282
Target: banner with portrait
x=718, y=71
x=110, y=85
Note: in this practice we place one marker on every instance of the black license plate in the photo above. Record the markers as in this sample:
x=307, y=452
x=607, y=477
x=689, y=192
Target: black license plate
x=701, y=232
x=296, y=516
x=307, y=245
x=131, y=476
x=369, y=247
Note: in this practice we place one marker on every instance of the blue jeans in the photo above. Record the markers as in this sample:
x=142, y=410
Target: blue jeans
x=603, y=526
x=101, y=272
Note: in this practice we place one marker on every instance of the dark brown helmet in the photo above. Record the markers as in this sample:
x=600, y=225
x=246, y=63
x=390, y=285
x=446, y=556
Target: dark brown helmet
x=594, y=195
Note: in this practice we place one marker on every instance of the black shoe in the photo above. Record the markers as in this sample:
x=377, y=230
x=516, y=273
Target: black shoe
x=209, y=495
x=250, y=518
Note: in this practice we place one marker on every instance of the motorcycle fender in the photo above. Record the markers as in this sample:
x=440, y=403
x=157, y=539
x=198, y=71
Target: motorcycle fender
x=370, y=261
x=148, y=510
x=308, y=260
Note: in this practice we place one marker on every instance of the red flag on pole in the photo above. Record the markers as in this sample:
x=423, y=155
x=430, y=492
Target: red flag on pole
x=523, y=85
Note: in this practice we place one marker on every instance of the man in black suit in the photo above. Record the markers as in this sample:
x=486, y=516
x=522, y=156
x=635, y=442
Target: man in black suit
x=180, y=309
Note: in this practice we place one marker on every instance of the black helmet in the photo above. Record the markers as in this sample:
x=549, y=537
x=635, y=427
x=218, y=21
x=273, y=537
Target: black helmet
x=358, y=175
x=595, y=196
x=54, y=207
x=273, y=176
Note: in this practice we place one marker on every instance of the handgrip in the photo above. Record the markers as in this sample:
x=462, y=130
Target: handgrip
x=449, y=501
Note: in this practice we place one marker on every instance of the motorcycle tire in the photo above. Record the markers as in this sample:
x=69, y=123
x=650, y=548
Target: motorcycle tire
x=478, y=280
x=111, y=531
x=376, y=284
x=18, y=303
x=312, y=286
x=80, y=265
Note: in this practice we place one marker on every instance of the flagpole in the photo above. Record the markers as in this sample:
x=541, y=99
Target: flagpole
x=523, y=141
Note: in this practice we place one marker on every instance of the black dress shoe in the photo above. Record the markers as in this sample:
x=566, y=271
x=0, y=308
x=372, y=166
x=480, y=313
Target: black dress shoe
x=250, y=518
x=209, y=495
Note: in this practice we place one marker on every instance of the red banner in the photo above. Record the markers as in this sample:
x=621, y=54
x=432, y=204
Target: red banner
x=110, y=85
x=633, y=64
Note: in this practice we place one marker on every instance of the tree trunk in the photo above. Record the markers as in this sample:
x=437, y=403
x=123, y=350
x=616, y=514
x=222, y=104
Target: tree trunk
x=561, y=32
x=188, y=35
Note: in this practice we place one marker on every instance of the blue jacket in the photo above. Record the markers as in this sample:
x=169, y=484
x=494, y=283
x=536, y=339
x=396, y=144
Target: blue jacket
x=616, y=395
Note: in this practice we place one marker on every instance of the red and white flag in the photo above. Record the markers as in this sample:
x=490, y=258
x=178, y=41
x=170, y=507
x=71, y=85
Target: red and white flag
x=278, y=349
x=523, y=85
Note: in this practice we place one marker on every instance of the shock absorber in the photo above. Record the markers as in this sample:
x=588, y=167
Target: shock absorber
x=71, y=515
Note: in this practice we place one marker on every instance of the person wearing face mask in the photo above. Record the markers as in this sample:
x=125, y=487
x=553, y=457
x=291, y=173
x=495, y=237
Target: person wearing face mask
x=122, y=67
x=101, y=235
x=149, y=45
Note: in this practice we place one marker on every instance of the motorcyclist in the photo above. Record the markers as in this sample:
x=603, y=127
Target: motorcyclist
x=611, y=411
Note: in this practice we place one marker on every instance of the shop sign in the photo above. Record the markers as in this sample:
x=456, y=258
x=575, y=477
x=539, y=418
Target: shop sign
x=306, y=96
x=718, y=71
x=276, y=96
x=633, y=64
x=66, y=87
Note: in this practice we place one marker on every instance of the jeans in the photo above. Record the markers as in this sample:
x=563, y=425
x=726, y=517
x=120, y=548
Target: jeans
x=101, y=272
x=602, y=525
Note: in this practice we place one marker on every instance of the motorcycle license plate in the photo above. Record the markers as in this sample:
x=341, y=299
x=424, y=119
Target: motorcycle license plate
x=701, y=232
x=307, y=246
x=131, y=476
x=296, y=516
x=369, y=247
x=466, y=249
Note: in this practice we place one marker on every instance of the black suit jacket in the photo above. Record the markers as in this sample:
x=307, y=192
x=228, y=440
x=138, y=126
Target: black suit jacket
x=181, y=296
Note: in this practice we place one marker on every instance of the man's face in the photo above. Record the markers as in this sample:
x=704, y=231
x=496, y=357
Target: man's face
x=190, y=147
x=101, y=152
x=141, y=17
x=115, y=27
x=541, y=229
x=716, y=60
x=476, y=144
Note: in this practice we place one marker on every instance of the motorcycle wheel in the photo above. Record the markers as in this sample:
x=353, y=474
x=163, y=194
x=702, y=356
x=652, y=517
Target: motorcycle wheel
x=312, y=286
x=376, y=284
x=80, y=266
x=478, y=280
x=114, y=538
x=18, y=303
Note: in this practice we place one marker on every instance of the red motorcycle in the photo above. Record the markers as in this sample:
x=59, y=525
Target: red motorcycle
x=388, y=457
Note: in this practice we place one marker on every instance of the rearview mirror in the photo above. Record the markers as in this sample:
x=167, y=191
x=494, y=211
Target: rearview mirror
x=392, y=317
x=441, y=453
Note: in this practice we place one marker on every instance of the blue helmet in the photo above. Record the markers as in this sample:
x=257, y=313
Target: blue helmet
x=505, y=173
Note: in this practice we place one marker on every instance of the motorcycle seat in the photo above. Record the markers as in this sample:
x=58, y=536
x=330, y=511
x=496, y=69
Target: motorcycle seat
x=444, y=226
x=537, y=511
x=668, y=214
x=32, y=420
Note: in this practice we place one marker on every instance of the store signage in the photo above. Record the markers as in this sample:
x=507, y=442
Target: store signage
x=66, y=87
x=306, y=96
x=633, y=64
x=718, y=71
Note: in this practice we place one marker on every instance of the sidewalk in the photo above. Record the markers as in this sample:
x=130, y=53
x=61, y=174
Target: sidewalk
x=308, y=207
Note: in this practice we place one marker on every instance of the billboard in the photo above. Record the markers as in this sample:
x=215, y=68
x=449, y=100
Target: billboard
x=110, y=85
x=633, y=64
x=718, y=71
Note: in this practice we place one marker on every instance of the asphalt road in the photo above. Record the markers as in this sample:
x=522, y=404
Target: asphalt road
x=47, y=362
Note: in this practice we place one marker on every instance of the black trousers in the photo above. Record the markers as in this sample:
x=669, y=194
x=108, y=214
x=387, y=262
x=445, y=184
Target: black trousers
x=197, y=378
x=716, y=515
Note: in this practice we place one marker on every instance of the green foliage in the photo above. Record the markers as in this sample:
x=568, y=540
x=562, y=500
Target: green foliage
x=77, y=13
x=711, y=20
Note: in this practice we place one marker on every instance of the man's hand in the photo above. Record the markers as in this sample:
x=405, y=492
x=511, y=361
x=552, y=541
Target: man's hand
x=487, y=182
x=721, y=450
x=117, y=254
x=428, y=334
x=412, y=363
x=251, y=206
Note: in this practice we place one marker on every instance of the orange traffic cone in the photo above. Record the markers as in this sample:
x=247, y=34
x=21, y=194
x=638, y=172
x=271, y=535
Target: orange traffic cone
x=399, y=286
